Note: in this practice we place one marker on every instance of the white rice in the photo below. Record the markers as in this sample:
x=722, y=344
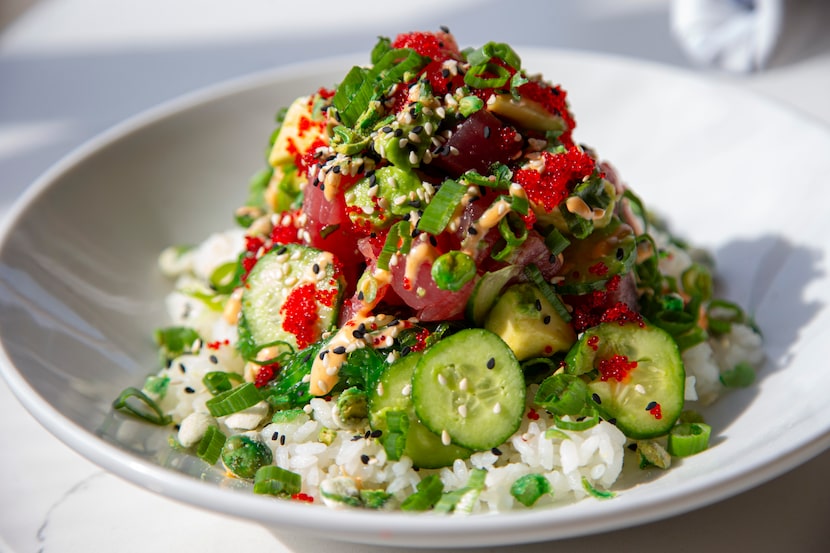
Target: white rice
x=328, y=456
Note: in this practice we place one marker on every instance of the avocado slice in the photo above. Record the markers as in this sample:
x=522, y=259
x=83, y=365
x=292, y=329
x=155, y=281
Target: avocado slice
x=528, y=323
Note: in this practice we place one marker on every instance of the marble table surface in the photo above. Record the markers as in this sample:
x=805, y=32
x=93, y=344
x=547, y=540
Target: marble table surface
x=58, y=58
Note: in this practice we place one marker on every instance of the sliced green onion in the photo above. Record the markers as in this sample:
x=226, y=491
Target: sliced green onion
x=286, y=415
x=637, y=207
x=590, y=420
x=475, y=76
x=691, y=338
x=689, y=438
x=499, y=178
x=675, y=322
x=552, y=433
x=210, y=446
x=556, y=242
x=394, y=439
x=562, y=394
x=535, y=275
x=232, y=401
x=529, y=488
x=452, y=270
x=427, y=495
x=223, y=278
x=594, y=492
x=740, y=376
x=519, y=204
x=440, y=209
x=721, y=314
x=174, y=341
x=328, y=229
x=492, y=50
x=219, y=381
x=697, y=281
x=374, y=499
x=274, y=480
x=146, y=409
x=577, y=225
x=463, y=500
x=398, y=239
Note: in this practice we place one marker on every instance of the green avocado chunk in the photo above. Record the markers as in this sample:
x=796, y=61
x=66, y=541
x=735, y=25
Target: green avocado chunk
x=400, y=186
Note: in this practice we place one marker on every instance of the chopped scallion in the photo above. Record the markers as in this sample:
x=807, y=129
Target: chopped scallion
x=536, y=277
x=529, y=488
x=427, y=495
x=440, y=209
x=689, y=438
x=210, y=446
x=274, y=480
x=232, y=401
x=146, y=409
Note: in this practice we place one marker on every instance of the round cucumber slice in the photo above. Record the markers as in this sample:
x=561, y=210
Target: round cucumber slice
x=394, y=393
x=636, y=376
x=469, y=388
x=291, y=297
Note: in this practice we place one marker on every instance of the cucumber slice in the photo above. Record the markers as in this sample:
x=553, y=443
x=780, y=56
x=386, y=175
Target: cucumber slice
x=471, y=387
x=645, y=399
x=588, y=264
x=394, y=393
x=487, y=290
x=290, y=297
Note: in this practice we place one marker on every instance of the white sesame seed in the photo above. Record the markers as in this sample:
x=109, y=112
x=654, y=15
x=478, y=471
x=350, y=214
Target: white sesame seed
x=462, y=410
x=379, y=389
x=441, y=112
x=406, y=390
x=639, y=389
x=497, y=408
x=453, y=150
x=427, y=157
x=442, y=379
x=290, y=280
x=414, y=138
x=403, y=142
x=428, y=128
x=445, y=437
x=463, y=385
x=413, y=158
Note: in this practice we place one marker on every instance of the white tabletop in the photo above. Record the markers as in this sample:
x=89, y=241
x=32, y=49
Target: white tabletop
x=71, y=68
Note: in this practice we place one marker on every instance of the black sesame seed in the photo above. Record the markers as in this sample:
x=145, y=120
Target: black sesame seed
x=596, y=398
x=387, y=129
x=367, y=434
x=282, y=439
x=358, y=333
x=394, y=322
x=182, y=368
x=553, y=259
x=282, y=250
x=632, y=446
x=415, y=203
x=214, y=359
x=491, y=363
x=376, y=433
x=360, y=295
x=651, y=405
x=398, y=133
x=433, y=240
x=418, y=129
x=335, y=169
x=620, y=254
x=177, y=427
x=445, y=73
x=323, y=354
x=322, y=186
x=357, y=437
x=315, y=268
x=189, y=390
x=275, y=436
x=472, y=231
x=405, y=351
x=495, y=451
x=546, y=320
x=612, y=421
x=486, y=132
x=445, y=29
x=364, y=459
x=339, y=350
x=538, y=304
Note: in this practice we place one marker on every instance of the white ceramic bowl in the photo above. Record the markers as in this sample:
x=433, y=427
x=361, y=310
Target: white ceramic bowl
x=80, y=292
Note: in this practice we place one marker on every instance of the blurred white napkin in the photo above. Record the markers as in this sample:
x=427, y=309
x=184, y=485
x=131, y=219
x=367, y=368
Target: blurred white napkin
x=732, y=35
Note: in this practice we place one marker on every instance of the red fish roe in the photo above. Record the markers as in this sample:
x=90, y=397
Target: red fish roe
x=616, y=367
x=265, y=374
x=622, y=314
x=655, y=410
x=561, y=173
x=438, y=46
x=300, y=314
x=599, y=268
x=420, y=340
x=533, y=415
x=593, y=342
x=302, y=497
x=218, y=344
